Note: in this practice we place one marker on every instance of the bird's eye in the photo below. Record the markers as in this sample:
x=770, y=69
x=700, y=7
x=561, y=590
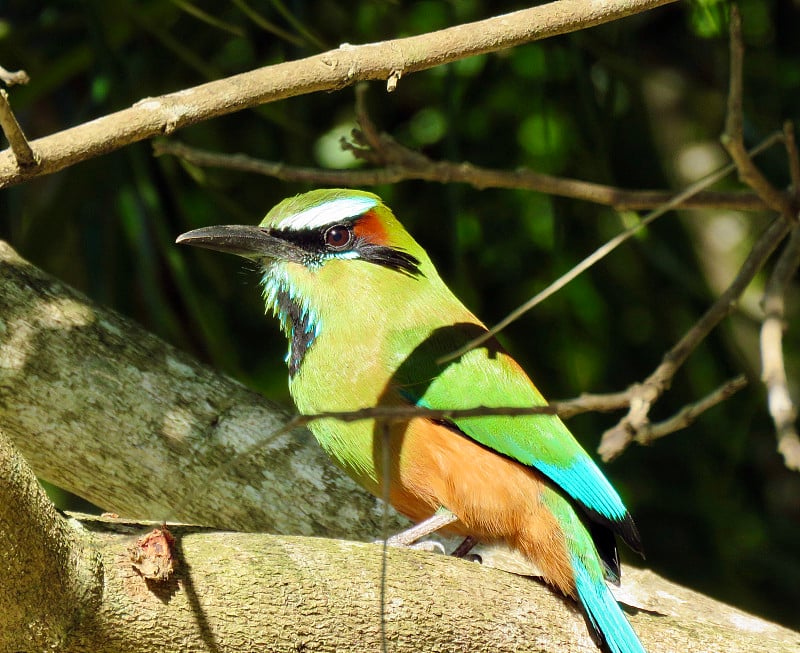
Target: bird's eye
x=338, y=237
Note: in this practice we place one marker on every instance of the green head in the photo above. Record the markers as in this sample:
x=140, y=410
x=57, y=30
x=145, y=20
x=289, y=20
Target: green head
x=328, y=256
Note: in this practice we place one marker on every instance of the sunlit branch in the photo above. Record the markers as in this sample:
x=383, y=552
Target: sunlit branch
x=12, y=77
x=781, y=407
x=328, y=71
x=23, y=154
x=645, y=394
x=687, y=415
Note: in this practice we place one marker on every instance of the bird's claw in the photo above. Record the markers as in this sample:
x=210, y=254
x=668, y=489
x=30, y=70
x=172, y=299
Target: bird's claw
x=431, y=546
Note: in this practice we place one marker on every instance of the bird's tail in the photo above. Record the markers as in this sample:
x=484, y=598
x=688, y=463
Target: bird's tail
x=606, y=621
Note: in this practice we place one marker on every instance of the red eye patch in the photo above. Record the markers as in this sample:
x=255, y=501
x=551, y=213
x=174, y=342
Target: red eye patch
x=369, y=228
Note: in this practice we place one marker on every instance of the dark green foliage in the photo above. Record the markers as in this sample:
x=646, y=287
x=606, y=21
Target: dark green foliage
x=617, y=104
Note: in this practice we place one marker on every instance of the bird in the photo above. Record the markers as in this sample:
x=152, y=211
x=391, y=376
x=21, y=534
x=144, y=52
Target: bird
x=369, y=323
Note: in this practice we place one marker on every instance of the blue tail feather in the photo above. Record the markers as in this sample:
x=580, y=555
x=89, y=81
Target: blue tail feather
x=603, y=613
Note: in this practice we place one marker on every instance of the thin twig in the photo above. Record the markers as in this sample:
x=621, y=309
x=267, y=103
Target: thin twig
x=268, y=26
x=11, y=77
x=23, y=153
x=605, y=249
x=688, y=414
x=781, y=407
x=406, y=413
x=399, y=414
x=369, y=133
x=298, y=25
x=794, y=159
x=208, y=18
x=597, y=403
x=616, y=439
x=479, y=177
x=733, y=137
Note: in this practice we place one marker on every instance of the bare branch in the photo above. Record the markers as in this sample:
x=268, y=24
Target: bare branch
x=51, y=575
x=325, y=595
x=688, y=414
x=12, y=77
x=23, y=154
x=616, y=439
x=446, y=172
x=733, y=138
x=794, y=158
x=781, y=407
x=330, y=70
x=395, y=163
x=603, y=251
x=598, y=403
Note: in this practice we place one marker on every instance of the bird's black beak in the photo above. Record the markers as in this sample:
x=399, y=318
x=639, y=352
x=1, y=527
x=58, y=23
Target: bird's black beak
x=243, y=240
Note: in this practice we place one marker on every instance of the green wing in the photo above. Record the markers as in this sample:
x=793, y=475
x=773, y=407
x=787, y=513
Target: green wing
x=487, y=376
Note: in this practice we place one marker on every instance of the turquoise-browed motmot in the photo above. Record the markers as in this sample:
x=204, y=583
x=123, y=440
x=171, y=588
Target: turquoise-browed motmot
x=368, y=317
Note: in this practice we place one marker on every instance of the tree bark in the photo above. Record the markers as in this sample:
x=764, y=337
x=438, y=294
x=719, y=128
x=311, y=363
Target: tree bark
x=49, y=571
x=70, y=585
x=110, y=412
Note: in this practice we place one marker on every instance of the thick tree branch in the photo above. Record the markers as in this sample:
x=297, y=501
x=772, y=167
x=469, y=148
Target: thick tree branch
x=321, y=594
x=193, y=445
x=100, y=407
x=331, y=70
x=234, y=592
x=50, y=575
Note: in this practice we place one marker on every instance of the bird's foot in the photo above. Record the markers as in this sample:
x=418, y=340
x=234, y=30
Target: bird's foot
x=440, y=518
x=463, y=549
x=411, y=536
x=431, y=546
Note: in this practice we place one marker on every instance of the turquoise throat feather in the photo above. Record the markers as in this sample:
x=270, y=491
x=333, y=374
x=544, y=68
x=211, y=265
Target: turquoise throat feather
x=298, y=320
